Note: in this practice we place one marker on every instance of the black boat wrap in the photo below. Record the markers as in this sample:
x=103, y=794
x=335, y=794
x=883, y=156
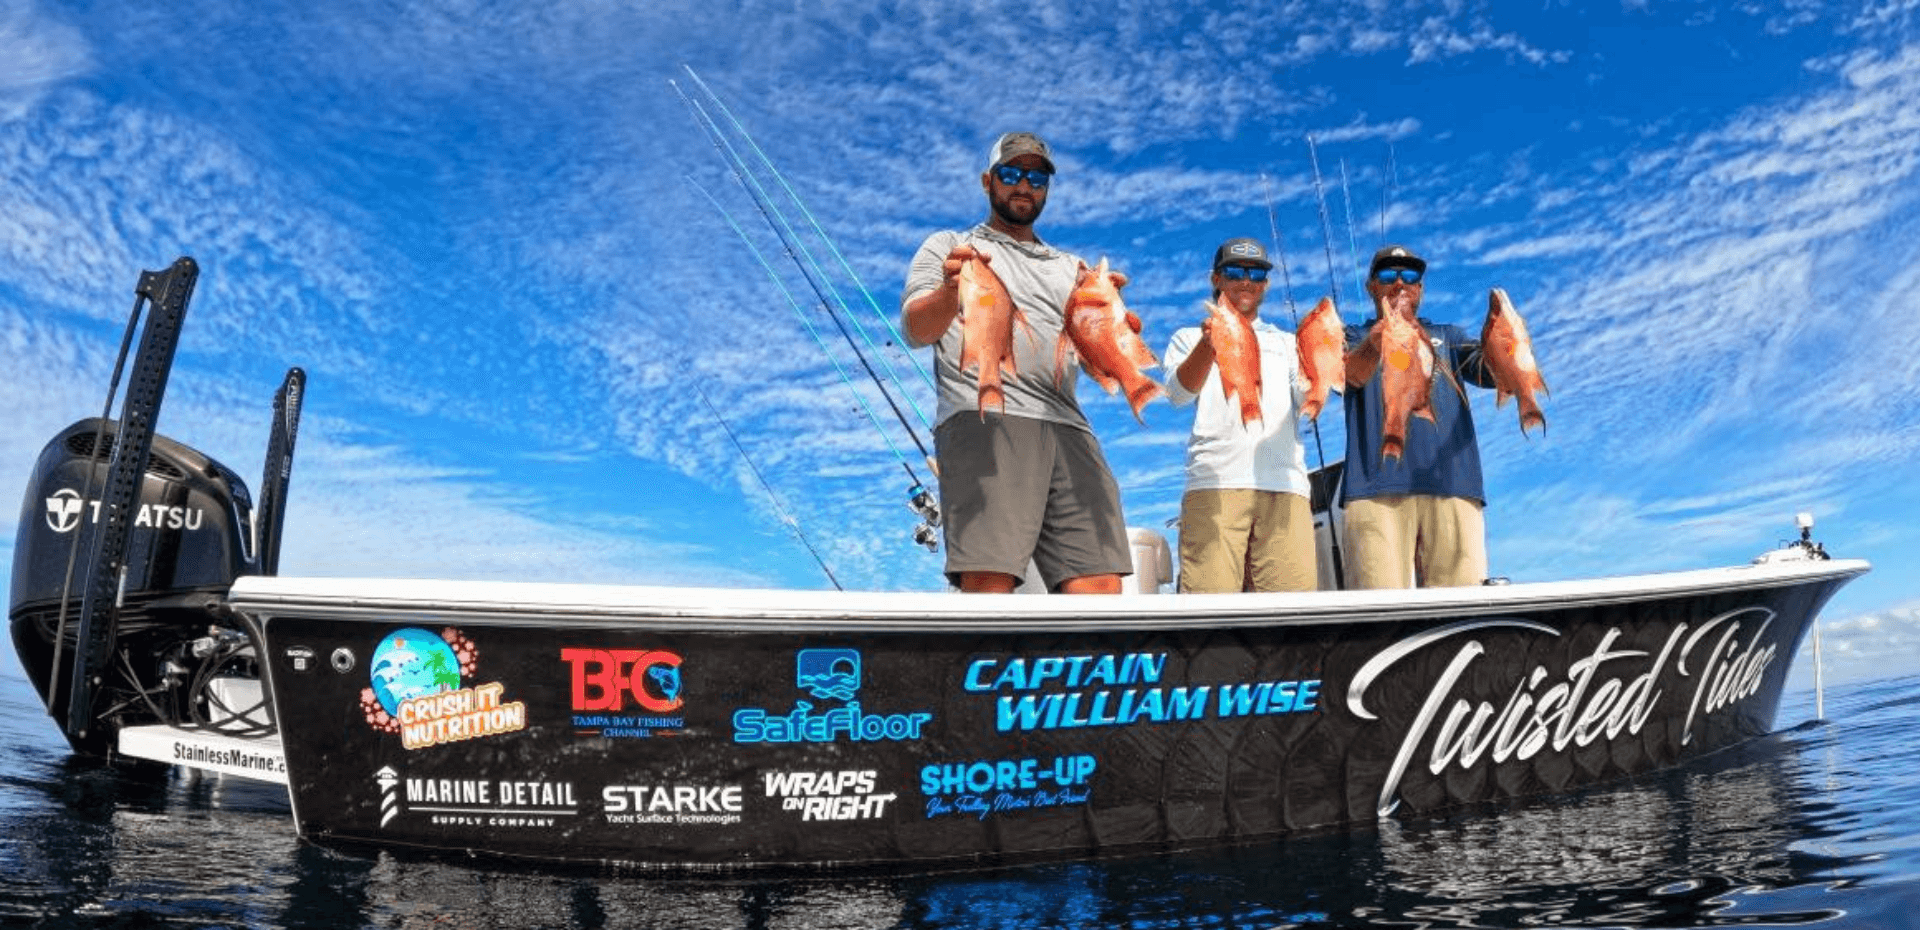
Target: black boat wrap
x=654, y=727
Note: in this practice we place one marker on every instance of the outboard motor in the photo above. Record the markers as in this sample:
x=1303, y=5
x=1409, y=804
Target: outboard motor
x=127, y=544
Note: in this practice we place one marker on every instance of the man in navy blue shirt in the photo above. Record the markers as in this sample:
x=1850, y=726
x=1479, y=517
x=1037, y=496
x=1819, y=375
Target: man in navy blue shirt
x=1414, y=519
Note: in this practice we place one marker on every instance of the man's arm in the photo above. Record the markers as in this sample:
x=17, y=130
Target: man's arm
x=1180, y=349
x=932, y=298
x=1363, y=358
x=1191, y=371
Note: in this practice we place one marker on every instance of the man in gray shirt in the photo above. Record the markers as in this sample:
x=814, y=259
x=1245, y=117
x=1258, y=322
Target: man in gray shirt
x=1028, y=483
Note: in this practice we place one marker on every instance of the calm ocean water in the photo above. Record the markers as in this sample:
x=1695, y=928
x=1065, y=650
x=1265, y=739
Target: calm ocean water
x=1816, y=825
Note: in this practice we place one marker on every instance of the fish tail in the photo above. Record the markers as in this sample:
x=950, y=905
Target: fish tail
x=992, y=395
x=1140, y=395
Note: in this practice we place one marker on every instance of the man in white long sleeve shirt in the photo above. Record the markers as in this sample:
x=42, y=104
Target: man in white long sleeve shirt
x=1245, y=520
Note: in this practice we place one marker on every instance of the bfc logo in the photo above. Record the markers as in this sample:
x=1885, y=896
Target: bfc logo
x=826, y=675
x=603, y=679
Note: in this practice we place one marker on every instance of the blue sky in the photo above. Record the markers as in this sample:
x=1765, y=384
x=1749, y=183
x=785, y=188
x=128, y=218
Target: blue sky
x=480, y=229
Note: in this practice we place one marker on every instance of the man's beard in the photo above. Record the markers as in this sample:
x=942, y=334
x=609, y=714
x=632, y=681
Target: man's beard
x=1008, y=213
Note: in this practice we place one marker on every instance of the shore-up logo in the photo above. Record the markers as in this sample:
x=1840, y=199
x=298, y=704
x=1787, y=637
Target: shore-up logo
x=417, y=691
x=605, y=679
x=827, y=675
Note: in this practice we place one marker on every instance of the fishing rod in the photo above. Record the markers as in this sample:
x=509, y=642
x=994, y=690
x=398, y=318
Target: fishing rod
x=785, y=517
x=885, y=320
x=1326, y=224
x=795, y=251
x=1353, y=258
x=1388, y=180
x=803, y=257
x=1286, y=282
x=919, y=498
x=1333, y=283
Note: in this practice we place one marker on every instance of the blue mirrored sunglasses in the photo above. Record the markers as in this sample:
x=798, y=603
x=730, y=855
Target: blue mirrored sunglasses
x=1403, y=275
x=1037, y=178
x=1242, y=273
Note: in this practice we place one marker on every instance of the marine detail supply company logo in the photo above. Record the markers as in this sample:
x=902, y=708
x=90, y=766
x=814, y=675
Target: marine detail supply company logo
x=475, y=802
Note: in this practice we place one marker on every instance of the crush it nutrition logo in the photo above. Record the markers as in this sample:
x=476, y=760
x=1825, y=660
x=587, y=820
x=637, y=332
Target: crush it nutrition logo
x=606, y=682
x=475, y=802
x=827, y=675
x=417, y=691
x=991, y=787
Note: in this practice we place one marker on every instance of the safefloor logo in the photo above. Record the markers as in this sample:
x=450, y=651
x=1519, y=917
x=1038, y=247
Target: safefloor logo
x=833, y=674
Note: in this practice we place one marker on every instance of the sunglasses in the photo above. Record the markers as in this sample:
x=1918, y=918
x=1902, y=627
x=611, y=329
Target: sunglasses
x=1403, y=275
x=1242, y=273
x=1037, y=178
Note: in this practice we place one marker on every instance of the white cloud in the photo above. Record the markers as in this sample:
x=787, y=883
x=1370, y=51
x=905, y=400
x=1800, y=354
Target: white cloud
x=36, y=53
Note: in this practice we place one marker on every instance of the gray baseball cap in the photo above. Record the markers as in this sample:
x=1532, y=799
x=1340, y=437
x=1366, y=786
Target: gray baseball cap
x=1015, y=144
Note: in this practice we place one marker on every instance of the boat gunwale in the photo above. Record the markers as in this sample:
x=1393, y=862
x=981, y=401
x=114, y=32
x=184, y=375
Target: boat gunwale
x=746, y=610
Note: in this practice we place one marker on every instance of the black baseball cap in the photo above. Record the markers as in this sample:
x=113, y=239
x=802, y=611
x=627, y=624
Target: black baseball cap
x=1396, y=256
x=1241, y=251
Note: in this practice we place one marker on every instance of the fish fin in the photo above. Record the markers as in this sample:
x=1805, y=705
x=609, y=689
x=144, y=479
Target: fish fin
x=1064, y=358
x=1020, y=318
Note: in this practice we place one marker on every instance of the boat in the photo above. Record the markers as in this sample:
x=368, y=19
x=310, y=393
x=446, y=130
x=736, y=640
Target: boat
x=682, y=728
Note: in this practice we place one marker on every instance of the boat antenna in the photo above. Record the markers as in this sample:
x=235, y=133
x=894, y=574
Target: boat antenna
x=920, y=499
x=819, y=231
x=786, y=517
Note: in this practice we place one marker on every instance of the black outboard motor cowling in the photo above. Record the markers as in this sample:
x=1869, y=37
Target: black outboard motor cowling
x=191, y=535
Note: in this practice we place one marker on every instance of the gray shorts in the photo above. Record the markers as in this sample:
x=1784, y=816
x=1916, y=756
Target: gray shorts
x=1016, y=488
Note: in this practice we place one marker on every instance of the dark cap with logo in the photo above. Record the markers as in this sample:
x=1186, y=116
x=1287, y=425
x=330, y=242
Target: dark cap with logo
x=1012, y=145
x=1396, y=256
x=1241, y=251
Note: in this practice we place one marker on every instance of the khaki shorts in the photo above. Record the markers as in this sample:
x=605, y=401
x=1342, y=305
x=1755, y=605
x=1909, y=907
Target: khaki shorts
x=1401, y=540
x=1234, y=539
x=1016, y=488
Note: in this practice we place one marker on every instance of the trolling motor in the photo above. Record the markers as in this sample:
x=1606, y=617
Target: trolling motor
x=923, y=503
